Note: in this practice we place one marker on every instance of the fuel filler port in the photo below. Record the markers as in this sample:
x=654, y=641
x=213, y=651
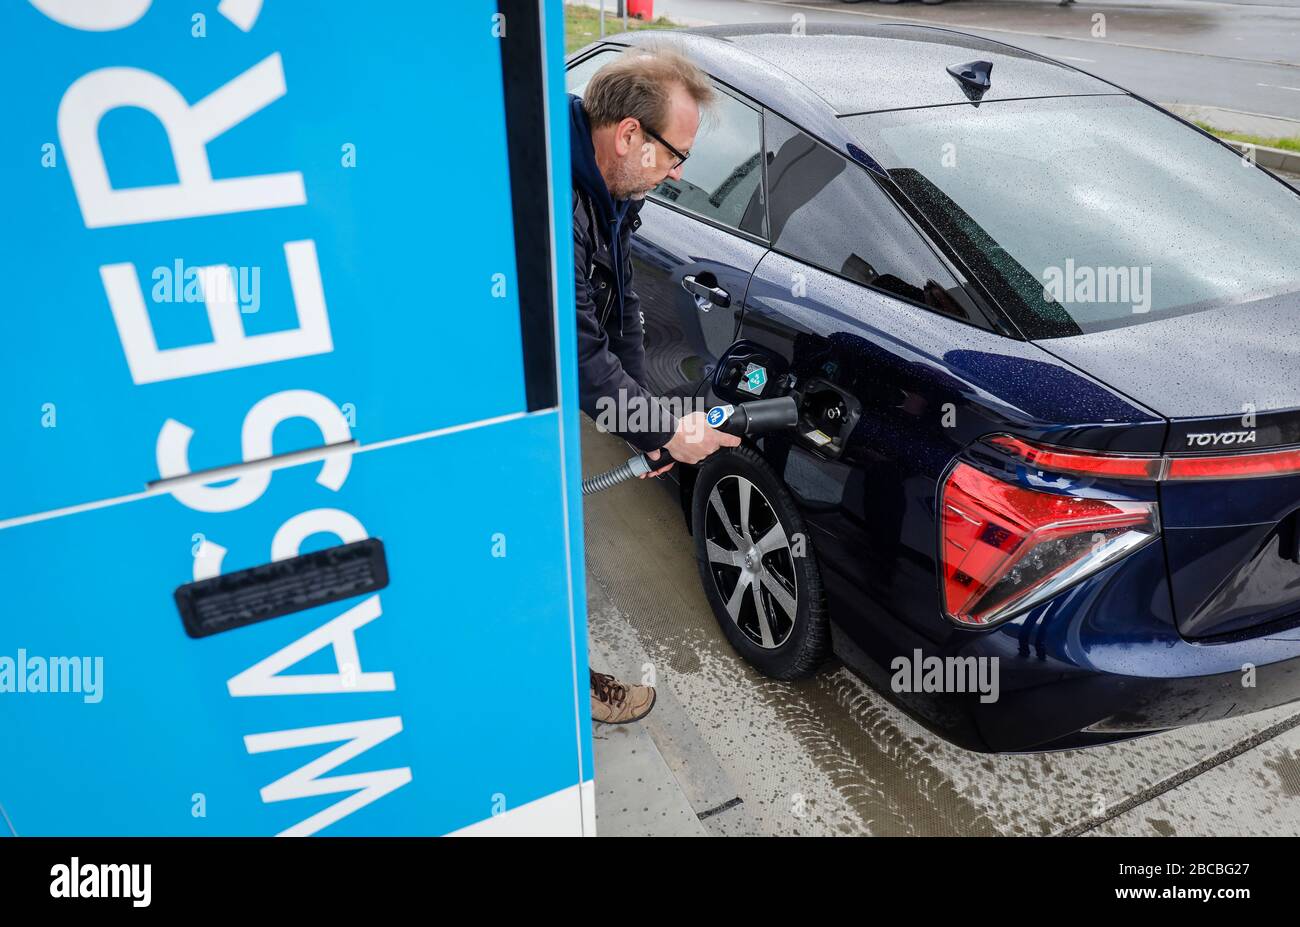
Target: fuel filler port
x=827, y=416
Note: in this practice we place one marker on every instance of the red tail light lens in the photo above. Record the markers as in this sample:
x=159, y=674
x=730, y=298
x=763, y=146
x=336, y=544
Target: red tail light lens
x=1084, y=463
x=1283, y=462
x=1235, y=466
x=1005, y=547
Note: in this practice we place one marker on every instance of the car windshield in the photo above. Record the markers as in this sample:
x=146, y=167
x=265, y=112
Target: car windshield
x=1086, y=213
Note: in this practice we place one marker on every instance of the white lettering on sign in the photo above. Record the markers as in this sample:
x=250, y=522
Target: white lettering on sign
x=288, y=540
x=243, y=13
x=93, y=15
x=259, y=426
x=108, y=15
x=304, y=783
x=189, y=129
x=263, y=678
x=230, y=347
x=343, y=525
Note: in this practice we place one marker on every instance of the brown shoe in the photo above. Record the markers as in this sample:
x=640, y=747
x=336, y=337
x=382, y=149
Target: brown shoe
x=613, y=702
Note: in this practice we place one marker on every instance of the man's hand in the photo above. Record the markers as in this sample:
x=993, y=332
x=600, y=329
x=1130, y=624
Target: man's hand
x=695, y=440
x=655, y=455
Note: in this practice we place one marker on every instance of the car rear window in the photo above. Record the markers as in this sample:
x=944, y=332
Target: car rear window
x=1087, y=213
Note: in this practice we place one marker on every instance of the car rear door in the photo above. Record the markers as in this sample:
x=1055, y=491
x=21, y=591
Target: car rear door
x=698, y=243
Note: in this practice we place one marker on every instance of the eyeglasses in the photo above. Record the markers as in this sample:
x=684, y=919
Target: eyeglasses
x=681, y=158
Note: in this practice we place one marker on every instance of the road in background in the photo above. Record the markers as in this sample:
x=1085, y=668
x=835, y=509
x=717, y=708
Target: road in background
x=1238, y=56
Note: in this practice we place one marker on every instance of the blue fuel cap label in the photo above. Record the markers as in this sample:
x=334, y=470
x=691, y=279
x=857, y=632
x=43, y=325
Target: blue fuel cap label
x=755, y=379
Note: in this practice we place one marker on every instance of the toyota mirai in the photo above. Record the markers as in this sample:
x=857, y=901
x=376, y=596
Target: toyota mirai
x=1044, y=338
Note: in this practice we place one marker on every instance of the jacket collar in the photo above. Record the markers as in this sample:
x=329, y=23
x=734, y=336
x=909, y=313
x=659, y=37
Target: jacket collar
x=586, y=173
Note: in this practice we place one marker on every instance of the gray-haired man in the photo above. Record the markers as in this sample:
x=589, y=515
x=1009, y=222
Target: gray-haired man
x=634, y=126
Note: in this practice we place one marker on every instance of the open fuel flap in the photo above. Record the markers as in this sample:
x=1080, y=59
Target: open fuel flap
x=827, y=413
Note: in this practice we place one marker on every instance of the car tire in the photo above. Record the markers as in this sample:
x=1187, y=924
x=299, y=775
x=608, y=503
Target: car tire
x=770, y=559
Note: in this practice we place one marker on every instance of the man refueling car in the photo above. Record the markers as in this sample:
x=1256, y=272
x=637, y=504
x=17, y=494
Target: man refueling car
x=633, y=128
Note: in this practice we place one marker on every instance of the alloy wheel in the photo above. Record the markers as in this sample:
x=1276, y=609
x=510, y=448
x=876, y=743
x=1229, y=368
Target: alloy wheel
x=751, y=561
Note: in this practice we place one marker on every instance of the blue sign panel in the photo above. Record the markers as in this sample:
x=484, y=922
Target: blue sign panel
x=280, y=285
x=204, y=213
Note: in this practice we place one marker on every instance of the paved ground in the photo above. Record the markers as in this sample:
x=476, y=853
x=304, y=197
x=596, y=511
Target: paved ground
x=727, y=751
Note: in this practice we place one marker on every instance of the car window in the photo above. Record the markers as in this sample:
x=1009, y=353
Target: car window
x=1087, y=213
x=580, y=74
x=722, y=179
x=827, y=211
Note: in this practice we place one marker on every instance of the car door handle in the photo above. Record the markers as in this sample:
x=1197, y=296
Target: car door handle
x=706, y=296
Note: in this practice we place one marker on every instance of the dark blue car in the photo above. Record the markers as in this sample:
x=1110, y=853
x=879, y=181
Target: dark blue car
x=1045, y=341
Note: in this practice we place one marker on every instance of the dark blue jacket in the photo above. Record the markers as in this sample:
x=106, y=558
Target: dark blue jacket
x=611, y=351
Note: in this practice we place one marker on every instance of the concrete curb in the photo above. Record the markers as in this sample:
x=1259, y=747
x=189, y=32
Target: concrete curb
x=1237, y=120
x=1245, y=123
x=657, y=776
x=1277, y=159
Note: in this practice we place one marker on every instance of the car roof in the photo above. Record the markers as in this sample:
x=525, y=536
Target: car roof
x=864, y=68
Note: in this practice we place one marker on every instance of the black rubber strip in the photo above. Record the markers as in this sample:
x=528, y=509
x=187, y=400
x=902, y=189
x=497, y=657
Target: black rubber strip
x=526, y=132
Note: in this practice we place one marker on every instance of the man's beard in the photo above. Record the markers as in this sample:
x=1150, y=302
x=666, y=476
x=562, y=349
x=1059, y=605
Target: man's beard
x=627, y=183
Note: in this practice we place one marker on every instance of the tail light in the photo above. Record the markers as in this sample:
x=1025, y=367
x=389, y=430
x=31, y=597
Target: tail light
x=1235, y=466
x=1149, y=467
x=1082, y=463
x=1006, y=547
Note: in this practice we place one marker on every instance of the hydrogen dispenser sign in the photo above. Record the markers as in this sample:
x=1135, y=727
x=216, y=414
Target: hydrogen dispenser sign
x=289, y=459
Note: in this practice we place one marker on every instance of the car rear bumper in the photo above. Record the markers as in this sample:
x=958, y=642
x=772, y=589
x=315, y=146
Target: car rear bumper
x=1044, y=711
x=1101, y=662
